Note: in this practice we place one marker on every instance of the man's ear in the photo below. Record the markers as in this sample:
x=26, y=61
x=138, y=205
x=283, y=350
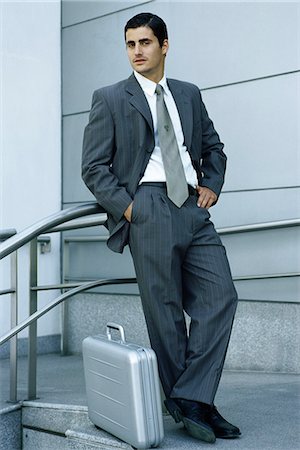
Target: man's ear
x=165, y=46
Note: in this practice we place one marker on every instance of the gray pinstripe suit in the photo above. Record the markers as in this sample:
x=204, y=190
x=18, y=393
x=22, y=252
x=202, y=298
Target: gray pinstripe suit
x=179, y=260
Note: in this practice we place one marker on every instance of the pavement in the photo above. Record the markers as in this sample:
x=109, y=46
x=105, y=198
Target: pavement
x=266, y=406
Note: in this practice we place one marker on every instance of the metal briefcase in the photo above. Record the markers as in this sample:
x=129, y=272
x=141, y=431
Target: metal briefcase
x=122, y=388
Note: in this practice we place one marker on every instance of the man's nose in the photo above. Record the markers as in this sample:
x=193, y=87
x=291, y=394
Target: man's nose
x=138, y=49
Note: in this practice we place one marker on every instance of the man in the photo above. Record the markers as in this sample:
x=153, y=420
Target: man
x=154, y=162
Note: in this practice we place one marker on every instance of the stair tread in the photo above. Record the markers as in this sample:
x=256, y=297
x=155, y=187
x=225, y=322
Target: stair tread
x=68, y=420
x=92, y=434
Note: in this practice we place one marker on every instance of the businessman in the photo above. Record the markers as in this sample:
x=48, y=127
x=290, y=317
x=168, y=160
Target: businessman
x=155, y=163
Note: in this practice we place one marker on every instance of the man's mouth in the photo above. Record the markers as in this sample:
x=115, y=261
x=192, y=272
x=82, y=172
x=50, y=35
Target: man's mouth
x=139, y=60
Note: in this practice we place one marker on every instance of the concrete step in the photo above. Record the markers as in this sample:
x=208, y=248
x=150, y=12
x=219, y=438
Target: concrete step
x=49, y=426
x=34, y=439
x=10, y=427
x=264, y=405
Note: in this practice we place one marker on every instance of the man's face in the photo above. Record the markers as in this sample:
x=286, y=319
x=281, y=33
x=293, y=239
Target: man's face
x=145, y=54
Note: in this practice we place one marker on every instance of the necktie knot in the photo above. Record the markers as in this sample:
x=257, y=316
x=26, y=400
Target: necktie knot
x=159, y=89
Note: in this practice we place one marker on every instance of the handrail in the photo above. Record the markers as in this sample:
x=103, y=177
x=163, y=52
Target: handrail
x=5, y=234
x=82, y=222
x=17, y=241
x=54, y=223
x=60, y=299
x=10, y=247
x=7, y=291
x=262, y=226
x=74, y=283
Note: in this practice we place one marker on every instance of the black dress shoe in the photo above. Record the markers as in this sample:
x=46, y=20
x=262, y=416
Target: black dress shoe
x=193, y=418
x=220, y=426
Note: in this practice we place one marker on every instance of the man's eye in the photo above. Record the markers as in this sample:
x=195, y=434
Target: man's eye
x=130, y=45
x=144, y=43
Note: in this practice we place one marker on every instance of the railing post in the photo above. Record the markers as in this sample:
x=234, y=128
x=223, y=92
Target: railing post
x=32, y=334
x=64, y=306
x=13, y=323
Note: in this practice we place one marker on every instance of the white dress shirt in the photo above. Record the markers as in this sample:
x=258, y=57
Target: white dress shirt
x=155, y=169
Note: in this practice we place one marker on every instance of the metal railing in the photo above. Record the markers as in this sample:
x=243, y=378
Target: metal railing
x=70, y=219
x=13, y=291
x=66, y=220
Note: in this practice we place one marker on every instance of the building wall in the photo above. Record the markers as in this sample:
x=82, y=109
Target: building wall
x=30, y=162
x=245, y=58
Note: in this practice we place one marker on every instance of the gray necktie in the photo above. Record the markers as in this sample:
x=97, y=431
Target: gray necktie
x=177, y=188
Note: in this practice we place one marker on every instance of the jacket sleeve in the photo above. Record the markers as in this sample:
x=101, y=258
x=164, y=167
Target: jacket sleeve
x=213, y=163
x=97, y=157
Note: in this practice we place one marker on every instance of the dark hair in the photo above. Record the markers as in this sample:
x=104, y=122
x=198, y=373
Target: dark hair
x=152, y=21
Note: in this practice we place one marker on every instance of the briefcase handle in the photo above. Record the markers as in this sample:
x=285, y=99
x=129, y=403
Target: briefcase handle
x=115, y=326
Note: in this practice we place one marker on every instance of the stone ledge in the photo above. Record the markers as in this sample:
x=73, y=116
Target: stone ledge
x=10, y=428
x=53, y=417
x=93, y=436
x=53, y=423
x=10, y=408
x=45, y=345
x=265, y=335
x=37, y=404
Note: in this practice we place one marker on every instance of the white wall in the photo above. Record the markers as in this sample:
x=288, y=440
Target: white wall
x=30, y=163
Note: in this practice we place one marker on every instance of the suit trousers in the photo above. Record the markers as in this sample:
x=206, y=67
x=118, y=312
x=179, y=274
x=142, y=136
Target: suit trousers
x=181, y=267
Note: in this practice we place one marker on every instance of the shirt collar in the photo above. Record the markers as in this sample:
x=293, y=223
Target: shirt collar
x=149, y=86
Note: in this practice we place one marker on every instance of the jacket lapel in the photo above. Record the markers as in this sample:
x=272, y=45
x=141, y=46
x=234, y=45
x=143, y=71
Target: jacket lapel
x=184, y=110
x=138, y=99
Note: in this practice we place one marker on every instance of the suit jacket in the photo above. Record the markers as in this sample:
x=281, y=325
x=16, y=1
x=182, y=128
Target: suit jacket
x=119, y=139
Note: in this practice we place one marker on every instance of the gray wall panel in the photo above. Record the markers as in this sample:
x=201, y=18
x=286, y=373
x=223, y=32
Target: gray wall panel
x=259, y=124
x=221, y=43
x=94, y=56
x=111, y=265
x=276, y=290
x=249, y=254
x=243, y=208
x=232, y=41
x=74, y=11
x=74, y=189
x=95, y=261
x=264, y=252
